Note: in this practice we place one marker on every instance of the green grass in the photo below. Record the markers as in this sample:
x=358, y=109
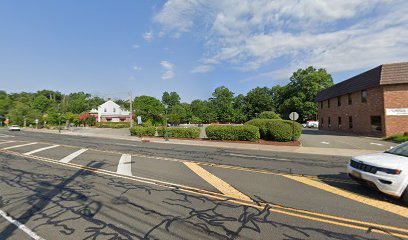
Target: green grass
x=398, y=138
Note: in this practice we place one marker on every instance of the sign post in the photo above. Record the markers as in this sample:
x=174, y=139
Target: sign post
x=293, y=116
x=36, y=123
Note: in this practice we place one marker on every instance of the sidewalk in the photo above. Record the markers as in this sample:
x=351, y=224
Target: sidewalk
x=242, y=146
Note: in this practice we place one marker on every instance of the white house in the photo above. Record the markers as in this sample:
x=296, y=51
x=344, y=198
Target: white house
x=110, y=112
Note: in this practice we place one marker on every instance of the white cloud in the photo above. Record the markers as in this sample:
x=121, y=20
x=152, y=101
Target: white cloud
x=202, y=69
x=137, y=68
x=168, y=68
x=336, y=34
x=136, y=46
x=148, y=36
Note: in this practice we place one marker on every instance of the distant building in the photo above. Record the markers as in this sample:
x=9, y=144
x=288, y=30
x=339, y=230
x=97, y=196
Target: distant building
x=110, y=112
x=373, y=103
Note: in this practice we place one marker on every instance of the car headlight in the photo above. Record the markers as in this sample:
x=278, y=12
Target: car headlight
x=390, y=171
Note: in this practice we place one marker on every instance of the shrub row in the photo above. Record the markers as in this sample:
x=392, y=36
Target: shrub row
x=399, y=138
x=114, y=125
x=142, y=131
x=276, y=129
x=179, y=132
x=241, y=132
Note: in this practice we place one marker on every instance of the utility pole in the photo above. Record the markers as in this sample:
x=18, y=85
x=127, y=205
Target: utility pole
x=131, y=109
x=59, y=119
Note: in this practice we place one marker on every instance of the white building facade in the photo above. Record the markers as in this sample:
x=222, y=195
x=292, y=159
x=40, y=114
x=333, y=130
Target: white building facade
x=110, y=112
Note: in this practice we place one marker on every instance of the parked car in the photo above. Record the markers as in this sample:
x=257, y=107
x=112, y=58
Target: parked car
x=386, y=171
x=312, y=124
x=14, y=128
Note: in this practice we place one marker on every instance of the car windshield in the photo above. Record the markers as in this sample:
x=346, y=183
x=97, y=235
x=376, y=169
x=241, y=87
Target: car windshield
x=14, y=125
x=401, y=150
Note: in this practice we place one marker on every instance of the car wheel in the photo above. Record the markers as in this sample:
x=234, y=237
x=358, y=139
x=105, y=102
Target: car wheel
x=404, y=196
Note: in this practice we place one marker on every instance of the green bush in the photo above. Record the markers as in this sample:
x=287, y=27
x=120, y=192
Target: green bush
x=276, y=129
x=398, y=138
x=142, y=131
x=176, y=132
x=224, y=132
x=269, y=115
x=114, y=125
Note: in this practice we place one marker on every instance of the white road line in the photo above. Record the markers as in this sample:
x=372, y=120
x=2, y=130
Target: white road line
x=254, y=156
x=73, y=155
x=124, y=166
x=325, y=142
x=5, y=135
x=218, y=183
x=40, y=149
x=378, y=144
x=21, y=226
x=22, y=145
x=6, y=142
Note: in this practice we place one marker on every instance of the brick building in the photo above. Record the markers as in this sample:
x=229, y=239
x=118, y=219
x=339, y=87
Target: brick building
x=373, y=103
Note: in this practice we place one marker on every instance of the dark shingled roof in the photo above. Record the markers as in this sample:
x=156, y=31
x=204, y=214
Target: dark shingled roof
x=394, y=73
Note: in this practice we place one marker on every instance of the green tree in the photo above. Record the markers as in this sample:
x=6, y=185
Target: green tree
x=222, y=102
x=149, y=108
x=299, y=94
x=240, y=106
x=41, y=103
x=170, y=99
x=258, y=100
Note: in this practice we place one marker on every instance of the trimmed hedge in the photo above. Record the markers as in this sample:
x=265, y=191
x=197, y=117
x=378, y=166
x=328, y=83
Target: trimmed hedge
x=276, y=129
x=114, y=125
x=176, y=132
x=399, y=138
x=241, y=132
x=142, y=131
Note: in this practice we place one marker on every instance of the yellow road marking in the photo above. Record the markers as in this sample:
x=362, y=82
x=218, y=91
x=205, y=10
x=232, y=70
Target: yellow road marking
x=217, y=182
x=345, y=222
x=389, y=207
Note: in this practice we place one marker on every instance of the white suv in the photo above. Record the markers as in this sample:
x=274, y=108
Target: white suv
x=386, y=171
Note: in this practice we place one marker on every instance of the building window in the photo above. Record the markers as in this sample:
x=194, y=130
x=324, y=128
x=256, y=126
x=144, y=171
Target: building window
x=321, y=104
x=350, y=100
x=329, y=122
x=114, y=109
x=376, y=125
x=364, y=96
x=339, y=101
x=350, y=122
x=328, y=103
x=339, y=122
x=104, y=110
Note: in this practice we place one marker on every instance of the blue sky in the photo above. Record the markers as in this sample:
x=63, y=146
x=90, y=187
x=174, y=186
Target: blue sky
x=191, y=46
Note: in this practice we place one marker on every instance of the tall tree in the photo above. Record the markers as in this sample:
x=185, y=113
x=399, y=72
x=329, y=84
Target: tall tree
x=302, y=89
x=258, y=100
x=222, y=101
x=149, y=108
x=170, y=99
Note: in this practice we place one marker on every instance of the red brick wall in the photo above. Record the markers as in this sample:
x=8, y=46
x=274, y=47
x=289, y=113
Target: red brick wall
x=396, y=96
x=360, y=112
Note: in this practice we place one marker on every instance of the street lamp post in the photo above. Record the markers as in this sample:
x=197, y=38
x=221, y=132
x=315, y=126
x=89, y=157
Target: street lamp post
x=166, y=135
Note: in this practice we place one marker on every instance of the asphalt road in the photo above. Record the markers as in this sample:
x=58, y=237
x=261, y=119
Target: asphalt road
x=324, y=139
x=66, y=187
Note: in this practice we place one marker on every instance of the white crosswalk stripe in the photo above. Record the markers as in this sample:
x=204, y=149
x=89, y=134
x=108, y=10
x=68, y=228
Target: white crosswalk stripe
x=22, y=145
x=124, y=166
x=73, y=155
x=40, y=149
